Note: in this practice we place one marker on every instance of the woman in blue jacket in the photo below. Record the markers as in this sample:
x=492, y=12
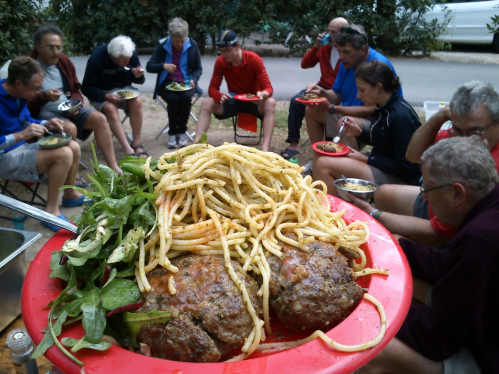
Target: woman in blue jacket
x=388, y=130
x=176, y=59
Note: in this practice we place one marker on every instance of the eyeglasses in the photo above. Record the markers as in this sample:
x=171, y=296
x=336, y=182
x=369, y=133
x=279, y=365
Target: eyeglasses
x=424, y=189
x=477, y=130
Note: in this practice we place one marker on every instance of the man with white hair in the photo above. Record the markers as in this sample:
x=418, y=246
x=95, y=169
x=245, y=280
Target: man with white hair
x=111, y=66
x=453, y=330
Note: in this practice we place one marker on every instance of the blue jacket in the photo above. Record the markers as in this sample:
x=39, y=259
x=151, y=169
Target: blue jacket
x=392, y=126
x=102, y=74
x=14, y=115
x=190, y=61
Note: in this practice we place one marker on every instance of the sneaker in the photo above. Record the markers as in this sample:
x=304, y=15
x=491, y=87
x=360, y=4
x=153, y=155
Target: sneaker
x=172, y=141
x=182, y=140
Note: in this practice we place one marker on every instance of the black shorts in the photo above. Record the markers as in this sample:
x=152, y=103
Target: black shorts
x=233, y=106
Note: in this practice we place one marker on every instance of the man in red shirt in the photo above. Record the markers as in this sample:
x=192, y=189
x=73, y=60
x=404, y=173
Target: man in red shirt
x=244, y=73
x=326, y=54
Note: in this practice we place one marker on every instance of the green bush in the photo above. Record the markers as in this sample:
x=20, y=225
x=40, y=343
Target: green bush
x=18, y=20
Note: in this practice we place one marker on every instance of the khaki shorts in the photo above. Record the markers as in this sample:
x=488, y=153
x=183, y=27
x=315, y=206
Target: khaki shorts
x=20, y=163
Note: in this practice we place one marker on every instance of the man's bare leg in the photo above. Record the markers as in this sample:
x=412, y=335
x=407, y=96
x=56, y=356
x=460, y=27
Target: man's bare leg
x=136, y=118
x=56, y=163
x=315, y=119
x=112, y=115
x=97, y=123
x=208, y=106
x=268, y=109
x=396, y=198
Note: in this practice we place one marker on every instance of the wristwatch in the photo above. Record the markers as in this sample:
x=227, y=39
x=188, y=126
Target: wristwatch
x=331, y=109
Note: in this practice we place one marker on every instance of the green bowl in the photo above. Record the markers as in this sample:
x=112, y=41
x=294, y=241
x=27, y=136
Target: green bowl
x=53, y=141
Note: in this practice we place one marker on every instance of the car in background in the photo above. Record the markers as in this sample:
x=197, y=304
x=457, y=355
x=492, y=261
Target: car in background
x=468, y=21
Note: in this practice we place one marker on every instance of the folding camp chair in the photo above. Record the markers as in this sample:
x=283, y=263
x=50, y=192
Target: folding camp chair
x=31, y=188
x=244, y=124
x=198, y=92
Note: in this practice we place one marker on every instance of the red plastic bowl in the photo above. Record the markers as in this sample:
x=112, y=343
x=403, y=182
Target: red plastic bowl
x=394, y=292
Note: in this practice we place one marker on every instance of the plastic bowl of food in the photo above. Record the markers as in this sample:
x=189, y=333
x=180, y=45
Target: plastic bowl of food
x=69, y=105
x=360, y=188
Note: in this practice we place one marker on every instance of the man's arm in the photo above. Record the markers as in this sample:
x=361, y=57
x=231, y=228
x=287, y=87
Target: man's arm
x=424, y=136
x=216, y=81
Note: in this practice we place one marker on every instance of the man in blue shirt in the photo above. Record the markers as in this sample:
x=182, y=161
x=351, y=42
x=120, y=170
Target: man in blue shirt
x=20, y=155
x=342, y=98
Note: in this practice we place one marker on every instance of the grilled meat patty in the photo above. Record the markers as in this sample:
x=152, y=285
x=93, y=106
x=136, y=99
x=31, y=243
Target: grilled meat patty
x=212, y=318
x=312, y=290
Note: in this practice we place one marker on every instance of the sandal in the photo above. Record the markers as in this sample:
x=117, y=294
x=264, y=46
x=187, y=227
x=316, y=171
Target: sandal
x=139, y=150
x=289, y=153
x=81, y=182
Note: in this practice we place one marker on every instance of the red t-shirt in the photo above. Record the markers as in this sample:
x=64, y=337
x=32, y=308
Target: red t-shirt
x=440, y=228
x=248, y=77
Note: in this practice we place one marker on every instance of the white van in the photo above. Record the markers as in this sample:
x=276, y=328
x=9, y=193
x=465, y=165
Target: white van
x=468, y=24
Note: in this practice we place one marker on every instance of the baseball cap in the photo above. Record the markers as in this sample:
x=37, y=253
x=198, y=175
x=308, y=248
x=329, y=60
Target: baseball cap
x=227, y=38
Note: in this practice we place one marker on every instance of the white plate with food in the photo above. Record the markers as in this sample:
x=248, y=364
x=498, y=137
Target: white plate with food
x=127, y=93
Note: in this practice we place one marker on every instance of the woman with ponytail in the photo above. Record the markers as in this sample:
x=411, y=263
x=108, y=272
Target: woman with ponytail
x=388, y=131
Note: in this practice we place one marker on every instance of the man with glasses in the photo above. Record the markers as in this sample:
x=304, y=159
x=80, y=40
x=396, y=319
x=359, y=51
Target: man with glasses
x=244, y=73
x=325, y=53
x=61, y=83
x=325, y=118
x=453, y=328
x=473, y=110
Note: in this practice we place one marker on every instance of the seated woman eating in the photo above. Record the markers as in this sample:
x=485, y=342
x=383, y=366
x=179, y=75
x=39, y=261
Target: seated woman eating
x=388, y=131
x=20, y=155
x=176, y=59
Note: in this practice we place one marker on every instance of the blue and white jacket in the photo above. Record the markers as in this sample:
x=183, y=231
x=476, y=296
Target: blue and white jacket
x=190, y=61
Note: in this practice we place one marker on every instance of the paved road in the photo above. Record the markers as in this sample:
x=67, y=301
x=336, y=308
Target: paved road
x=422, y=79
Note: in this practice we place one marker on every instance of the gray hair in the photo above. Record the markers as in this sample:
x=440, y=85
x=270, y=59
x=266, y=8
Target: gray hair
x=178, y=27
x=471, y=95
x=355, y=35
x=462, y=159
x=121, y=45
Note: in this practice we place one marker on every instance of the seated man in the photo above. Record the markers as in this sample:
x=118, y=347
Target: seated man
x=325, y=53
x=473, y=110
x=111, y=66
x=24, y=161
x=455, y=330
x=176, y=59
x=61, y=83
x=342, y=98
x=244, y=73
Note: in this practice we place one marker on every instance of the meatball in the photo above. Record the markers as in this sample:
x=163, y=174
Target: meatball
x=212, y=319
x=314, y=289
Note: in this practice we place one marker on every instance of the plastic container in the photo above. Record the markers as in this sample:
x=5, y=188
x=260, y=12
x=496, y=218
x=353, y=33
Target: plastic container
x=432, y=107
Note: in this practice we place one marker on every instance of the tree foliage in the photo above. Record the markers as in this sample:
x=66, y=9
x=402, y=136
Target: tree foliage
x=393, y=26
x=18, y=20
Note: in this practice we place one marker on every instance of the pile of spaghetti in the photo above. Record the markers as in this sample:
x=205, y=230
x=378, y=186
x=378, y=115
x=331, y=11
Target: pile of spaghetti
x=239, y=203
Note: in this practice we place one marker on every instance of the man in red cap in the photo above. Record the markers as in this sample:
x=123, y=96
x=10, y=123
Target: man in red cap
x=244, y=73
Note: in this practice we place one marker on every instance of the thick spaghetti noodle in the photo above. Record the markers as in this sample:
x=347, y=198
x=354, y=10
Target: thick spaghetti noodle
x=240, y=203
